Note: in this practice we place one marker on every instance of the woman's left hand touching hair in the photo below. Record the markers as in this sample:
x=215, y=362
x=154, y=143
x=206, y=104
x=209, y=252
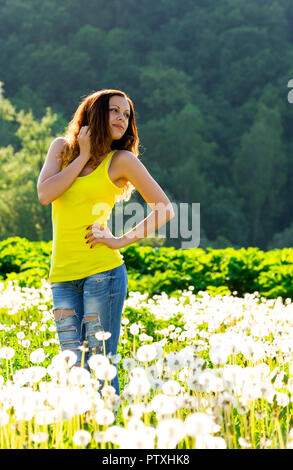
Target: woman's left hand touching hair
x=98, y=234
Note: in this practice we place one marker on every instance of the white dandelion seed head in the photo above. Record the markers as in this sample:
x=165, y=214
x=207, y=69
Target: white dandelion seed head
x=290, y=439
x=163, y=404
x=45, y=417
x=98, y=361
x=4, y=418
x=128, y=363
x=133, y=413
x=104, y=417
x=81, y=438
x=126, y=396
x=175, y=362
x=106, y=373
x=134, y=329
x=58, y=373
x=112, y=402
x=108, y=391
x=245, y=443
x=210, y=382
x=267, y=391
x=137, y=440
x=219, y=355
x=146, y=353
x=114, y=434
x=99, y=436
x=159, y=348
x=40, y=437
x=265, y=442
x=37, y=356
x=171, y=387
x=282, y=399
x=278, y=383
x=210, y=442
x=98, y=403
x=290, y=385
x=186, y=401
x=7, y=352
x=35, y=374
x=156, y=384
x=143, y=337
x=187, y=351
x=137, y=373
x=194, y=384
x=170, y=430
x=183, y=375
x=138, y=386
x=23, y=414
x=20, y=335
x=65, y=359
x=153, y=371
x=114, y=358
x=79, y=376
x=200, y=423
x=75, y=402
x=103, y=335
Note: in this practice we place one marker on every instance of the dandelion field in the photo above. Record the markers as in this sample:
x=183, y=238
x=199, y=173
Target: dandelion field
x=197, y=371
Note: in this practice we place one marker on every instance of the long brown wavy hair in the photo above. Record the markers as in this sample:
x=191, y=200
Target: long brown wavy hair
x=93, y=111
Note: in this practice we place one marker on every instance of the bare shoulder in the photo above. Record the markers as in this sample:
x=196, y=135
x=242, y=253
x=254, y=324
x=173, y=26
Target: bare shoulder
x=53, y=162
x=57, y=146
x=132, y=169
x=125, y=156
x=125, y=159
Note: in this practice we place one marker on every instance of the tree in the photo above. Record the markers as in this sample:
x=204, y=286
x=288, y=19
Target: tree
x=21, y=212
x=282, y=239
x=259, y=173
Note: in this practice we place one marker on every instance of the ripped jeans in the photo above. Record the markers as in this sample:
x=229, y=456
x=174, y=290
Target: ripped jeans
x=86, y=306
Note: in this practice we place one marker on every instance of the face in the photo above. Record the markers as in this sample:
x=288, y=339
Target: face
x=119, y=113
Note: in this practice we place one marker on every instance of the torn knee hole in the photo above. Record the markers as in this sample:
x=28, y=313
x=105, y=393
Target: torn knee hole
x=95, y=317
x=67, y=328
x=62, y=312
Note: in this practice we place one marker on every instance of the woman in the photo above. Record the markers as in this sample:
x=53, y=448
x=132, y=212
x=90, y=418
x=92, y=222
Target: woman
x=84, y=174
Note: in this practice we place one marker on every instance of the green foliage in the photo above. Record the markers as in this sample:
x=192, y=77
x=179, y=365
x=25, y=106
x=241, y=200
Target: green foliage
x=277, y=282
x=209, y=86
x=21, y=213
x=259, y=170
x=26, y=261
x=150, y=323
x=282, y=239
x=158, y=270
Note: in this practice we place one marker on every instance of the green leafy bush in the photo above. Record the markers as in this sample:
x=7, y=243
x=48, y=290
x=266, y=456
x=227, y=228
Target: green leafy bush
x=169, y=270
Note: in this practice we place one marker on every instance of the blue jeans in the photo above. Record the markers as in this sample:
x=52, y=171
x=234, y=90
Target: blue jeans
x=86, y=306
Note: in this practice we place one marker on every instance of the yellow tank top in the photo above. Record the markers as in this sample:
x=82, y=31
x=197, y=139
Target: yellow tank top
x=90, y=199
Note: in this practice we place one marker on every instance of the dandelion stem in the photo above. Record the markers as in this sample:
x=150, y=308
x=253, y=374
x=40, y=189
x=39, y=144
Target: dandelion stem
x=279, y=433
x=83, y=354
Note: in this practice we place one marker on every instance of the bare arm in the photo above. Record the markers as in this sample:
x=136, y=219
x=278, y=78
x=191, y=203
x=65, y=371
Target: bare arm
x=52, y=182
x=130, y=167
x=162, y=210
